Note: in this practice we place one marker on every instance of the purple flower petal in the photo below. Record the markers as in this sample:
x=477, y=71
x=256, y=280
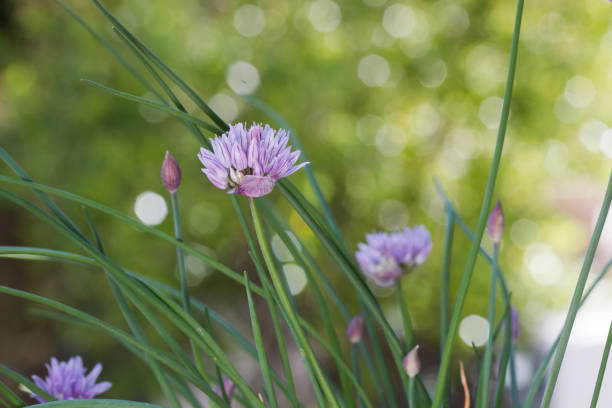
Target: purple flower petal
x=256, y=186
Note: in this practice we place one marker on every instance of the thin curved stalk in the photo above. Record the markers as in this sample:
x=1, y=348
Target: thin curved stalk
x=303, y=344
x=602, y=368
x=577, y=296
x=486, y=362
x=135, y=223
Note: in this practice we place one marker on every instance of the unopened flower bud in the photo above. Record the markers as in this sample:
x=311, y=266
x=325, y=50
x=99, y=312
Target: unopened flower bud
x=355, y=329
x=496, y=224
x=228, y=386
x=411, y=363
x=514, y=323
x=170, y=173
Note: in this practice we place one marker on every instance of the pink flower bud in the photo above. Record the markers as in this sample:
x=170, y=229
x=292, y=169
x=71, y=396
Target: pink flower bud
x=228, y=386
x=411, y=363
x=355, y=329
x=171, y=173
x=496, y=224
x=514, y=323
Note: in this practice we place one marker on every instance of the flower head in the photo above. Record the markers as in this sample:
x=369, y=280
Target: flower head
x=385, y=256
x=170, y=173
x=249, y=162
x=355, y=329
x=66, y=380
x=228, y=386
x=411, y=363
x=496, y=224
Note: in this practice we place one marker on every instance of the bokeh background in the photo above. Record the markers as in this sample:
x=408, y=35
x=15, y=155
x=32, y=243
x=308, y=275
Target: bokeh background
x=385, y=95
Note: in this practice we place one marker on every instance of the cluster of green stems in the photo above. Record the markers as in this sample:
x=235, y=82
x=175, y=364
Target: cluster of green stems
x=175, y=369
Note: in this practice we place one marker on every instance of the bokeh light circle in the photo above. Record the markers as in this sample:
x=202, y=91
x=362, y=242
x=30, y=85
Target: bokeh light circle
x=474, y=329
x=249, y=20
x=150, y=208
x=243, y=78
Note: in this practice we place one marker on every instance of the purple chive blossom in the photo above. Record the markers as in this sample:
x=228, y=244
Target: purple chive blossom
x=229, y=387
x=66, y=380
x=496, y=224
x=385, y=256
x=249, y=162
x=355, y=329
x=412, y=363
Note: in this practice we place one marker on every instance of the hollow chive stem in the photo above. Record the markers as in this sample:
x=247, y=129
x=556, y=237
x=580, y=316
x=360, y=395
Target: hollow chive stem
x=180, y=259
x=285, y=304
x=486, y=362
x=602, y=368
x=486, y=204
x=575, y=303
x=406, y=321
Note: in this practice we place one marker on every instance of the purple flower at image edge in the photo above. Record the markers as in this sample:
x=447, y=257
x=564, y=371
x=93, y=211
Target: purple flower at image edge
x=249, y=162
x=386, y=256
x=66, y=380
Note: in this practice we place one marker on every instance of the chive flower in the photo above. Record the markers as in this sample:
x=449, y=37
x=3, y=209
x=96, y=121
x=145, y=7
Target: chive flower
x=496, y=224
x=170, y=173
x=67, y=380
x=249, y=162
x=386, y=256
x=228, y=386
x=412, y=363
x=355, y=329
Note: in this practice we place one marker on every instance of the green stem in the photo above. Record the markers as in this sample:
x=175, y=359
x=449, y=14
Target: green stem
x=503, y=364
x=261, y=351
x=355, y=366
x=411, y=400
x=602, y=368
x=131, y=319
x=272, y=305
x=484, y=211
x=304, y=346
x=407, y=322
x=444, y=286
x=180, y=260
x=514, y=392
x=575, y=303
x=382, y=371
x=486, y=362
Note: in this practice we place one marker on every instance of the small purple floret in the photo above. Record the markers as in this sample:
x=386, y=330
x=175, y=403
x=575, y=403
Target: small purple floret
x=355, y=329
x=496, y=224
x=385, y=256
x=249, y=162
x=228, y=386
x=66, y=380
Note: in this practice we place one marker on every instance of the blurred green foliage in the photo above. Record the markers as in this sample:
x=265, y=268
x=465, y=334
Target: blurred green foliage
x=384, y=98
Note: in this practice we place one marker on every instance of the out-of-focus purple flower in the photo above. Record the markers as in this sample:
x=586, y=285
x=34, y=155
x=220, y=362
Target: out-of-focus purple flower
x=229, y=387
x=355, y=329
x=249, y=162
x=385, y=256
x=411, y=363
x=496, y=224
x=66, y=380
x=170, y=173
x=514, y=323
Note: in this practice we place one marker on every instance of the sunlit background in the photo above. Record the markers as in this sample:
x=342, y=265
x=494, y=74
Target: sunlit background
x=385, y=96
